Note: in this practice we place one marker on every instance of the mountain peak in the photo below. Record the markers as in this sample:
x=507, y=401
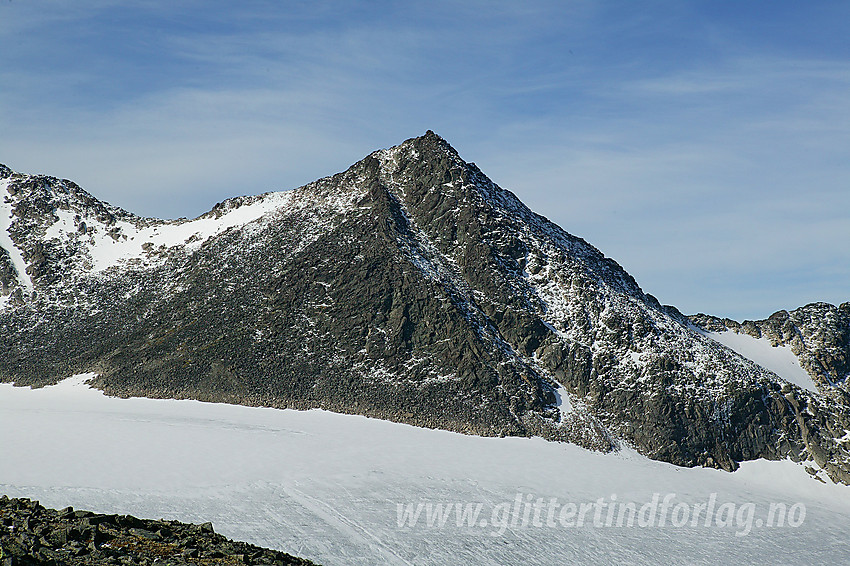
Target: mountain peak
x=410, y=287
x=434, y=140
x=426, y=147
x=431, y=137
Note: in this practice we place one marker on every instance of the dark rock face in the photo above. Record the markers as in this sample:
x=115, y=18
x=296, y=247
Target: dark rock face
x=33, y=535
x=8, y=275
x=411, y=288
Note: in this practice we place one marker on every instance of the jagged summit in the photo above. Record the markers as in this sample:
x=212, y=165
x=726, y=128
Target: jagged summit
x=45, y=192
x=408, y=287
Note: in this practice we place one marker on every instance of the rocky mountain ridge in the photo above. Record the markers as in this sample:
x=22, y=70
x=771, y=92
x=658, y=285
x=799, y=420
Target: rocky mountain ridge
x=817, y=333
x=409, y=287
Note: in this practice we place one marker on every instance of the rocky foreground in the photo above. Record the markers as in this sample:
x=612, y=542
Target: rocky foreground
x=31, y=534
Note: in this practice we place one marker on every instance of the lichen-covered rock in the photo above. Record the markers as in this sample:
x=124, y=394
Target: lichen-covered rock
x=819, y=335
x=34, y=535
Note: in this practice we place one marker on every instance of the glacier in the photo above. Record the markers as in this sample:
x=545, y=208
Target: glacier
x=328, y=486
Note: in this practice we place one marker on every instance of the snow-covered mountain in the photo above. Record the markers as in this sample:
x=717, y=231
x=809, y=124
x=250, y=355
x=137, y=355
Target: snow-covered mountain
x=343, y=490
x=409, y=287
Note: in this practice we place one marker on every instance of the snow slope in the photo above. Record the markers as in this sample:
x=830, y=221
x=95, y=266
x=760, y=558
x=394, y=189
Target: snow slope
x=128, y=240
x=327, y=486
x=6, y=241
x=778, y=359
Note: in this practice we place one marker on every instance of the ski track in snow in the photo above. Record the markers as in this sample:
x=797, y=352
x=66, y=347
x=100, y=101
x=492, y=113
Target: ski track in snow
x=326, y=486
x=351, y=529
x=778, y=359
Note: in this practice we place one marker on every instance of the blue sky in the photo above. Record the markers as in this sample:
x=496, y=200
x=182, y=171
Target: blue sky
x=703, y=145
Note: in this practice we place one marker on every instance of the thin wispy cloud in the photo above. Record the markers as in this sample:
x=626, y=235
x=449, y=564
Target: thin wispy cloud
x=702, y=148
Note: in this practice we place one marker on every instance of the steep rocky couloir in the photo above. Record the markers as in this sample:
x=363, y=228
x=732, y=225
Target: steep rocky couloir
x=409, y=287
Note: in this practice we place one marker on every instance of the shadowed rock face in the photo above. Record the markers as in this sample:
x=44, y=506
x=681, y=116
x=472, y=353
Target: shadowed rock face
x=411, y=288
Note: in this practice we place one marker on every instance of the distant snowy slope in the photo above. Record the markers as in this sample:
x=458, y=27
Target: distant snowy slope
x=817, y=334
x=127, y=240
x=778, y=359
x=93, y=236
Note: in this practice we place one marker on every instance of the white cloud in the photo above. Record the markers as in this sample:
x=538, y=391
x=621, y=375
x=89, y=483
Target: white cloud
x=709, y=182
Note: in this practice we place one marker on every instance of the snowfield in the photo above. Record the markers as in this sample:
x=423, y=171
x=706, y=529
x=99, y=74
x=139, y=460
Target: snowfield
x=328, y=487
x=778, y=359
x=133, y=241
x=6, y=219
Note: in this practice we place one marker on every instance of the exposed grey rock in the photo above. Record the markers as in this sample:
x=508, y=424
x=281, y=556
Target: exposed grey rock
x=8, y=274
x=818, y=334
x=409, y=287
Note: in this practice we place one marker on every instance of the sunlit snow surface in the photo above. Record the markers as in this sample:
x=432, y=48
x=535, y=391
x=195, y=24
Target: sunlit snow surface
x=778, y=359
x=326, y=486
x=6, y=242
x=106, y=251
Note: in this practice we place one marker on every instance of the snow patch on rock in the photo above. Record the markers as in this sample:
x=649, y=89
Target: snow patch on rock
x=6, y=218
x=778, y=359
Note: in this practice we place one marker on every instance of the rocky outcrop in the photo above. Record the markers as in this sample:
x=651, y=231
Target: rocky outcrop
x=34, y=535
x=8, y=274
x=818, y=334
x=409, y=287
